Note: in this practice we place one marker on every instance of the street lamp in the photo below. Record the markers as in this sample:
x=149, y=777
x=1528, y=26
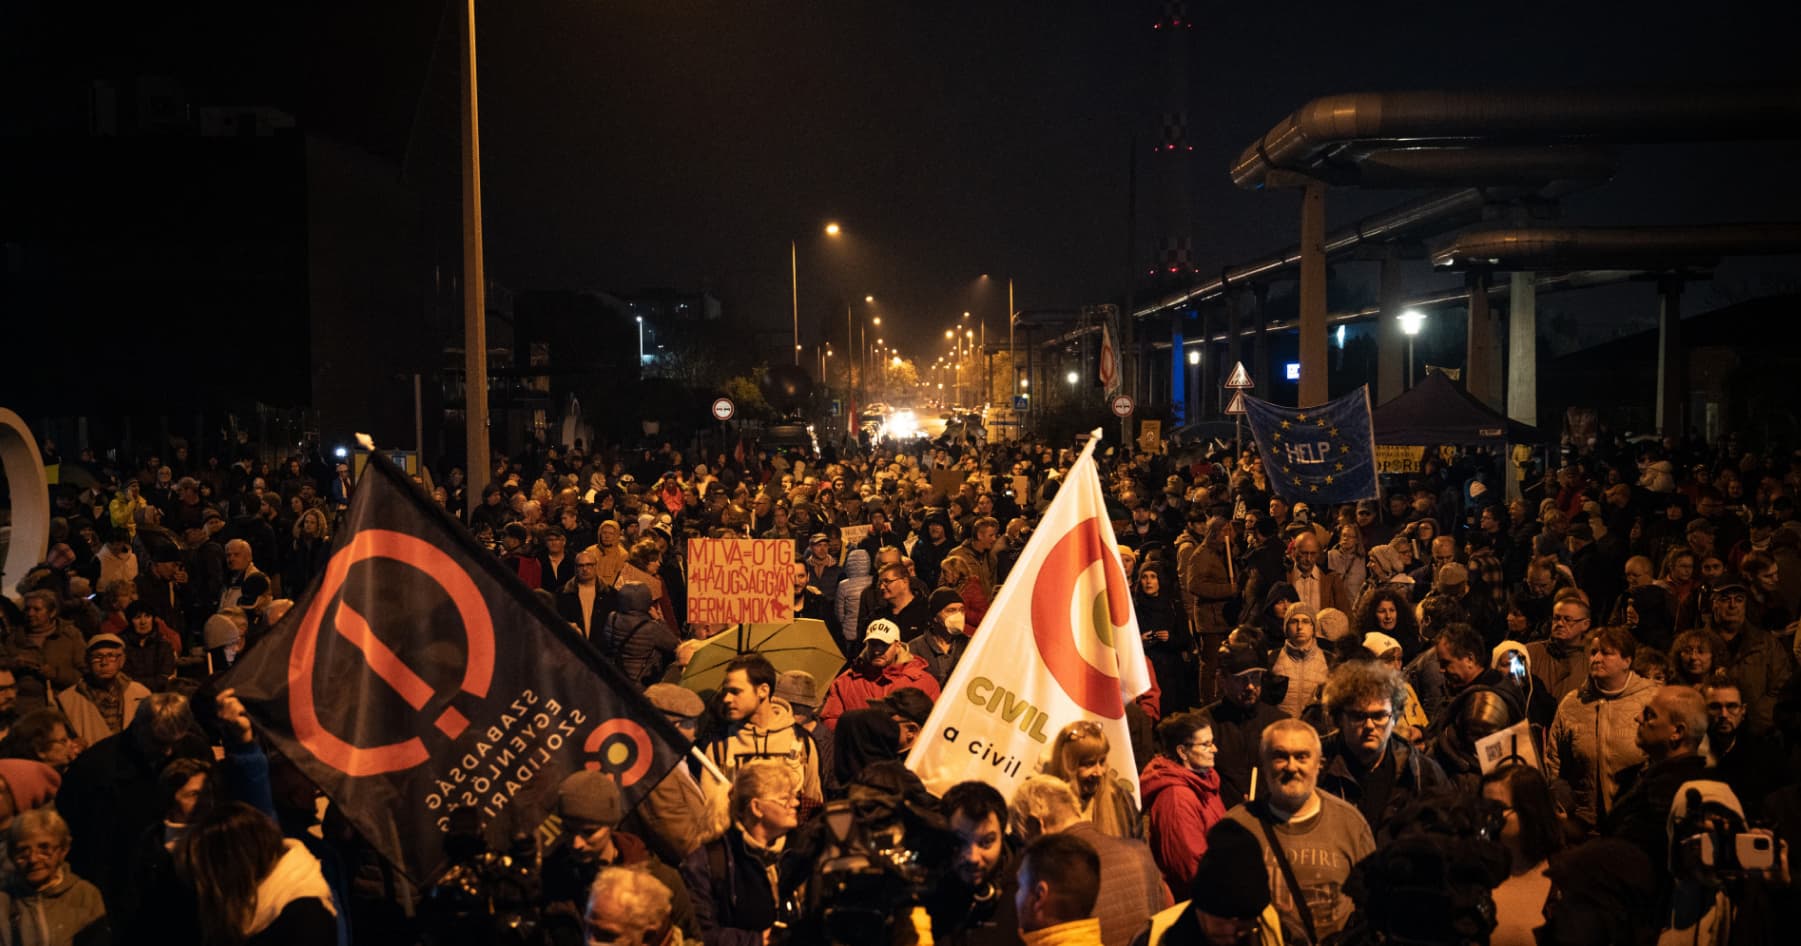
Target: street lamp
x=1072, y=378
x=1412, y=320
x=831, y=229
x=640, y=342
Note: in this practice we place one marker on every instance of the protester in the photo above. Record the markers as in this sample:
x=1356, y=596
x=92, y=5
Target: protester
x=1239, y=720
x=1130, y=887
x=733, y=877
x=1363, y=762
x=1180, y=788
x=750, y=723
x=1059, y=882
x=1594, y=737
x=104, y=700
x=881, y=667
x=1532, y=832
x=1310, y=839
x=253, y=886
x=44, y=901
x=1079, y=756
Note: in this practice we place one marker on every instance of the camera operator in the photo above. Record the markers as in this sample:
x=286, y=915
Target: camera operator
x=734, y=877
x=590, y=808
x=1724, y=872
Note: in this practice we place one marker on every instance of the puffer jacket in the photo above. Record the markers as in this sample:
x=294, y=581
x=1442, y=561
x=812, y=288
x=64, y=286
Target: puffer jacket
x=71, y=911
x=1181, y=806
x=641, y=645
x=853, y=689
x=850, y=591
x=1593, y=738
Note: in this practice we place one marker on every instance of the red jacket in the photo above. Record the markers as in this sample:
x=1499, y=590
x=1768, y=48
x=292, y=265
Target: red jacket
x=853, y=689
x=1181, y=805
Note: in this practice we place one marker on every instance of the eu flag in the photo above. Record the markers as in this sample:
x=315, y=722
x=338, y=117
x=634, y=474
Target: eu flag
x=1323, y=454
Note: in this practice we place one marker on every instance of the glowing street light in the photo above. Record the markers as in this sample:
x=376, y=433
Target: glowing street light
x=1072, y=378
x=832, y=230
x=1412, y=320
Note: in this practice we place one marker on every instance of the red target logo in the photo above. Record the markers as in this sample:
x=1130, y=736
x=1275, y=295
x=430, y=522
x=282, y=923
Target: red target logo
x=620, y=748
x=381, y=661
x=1060, y=578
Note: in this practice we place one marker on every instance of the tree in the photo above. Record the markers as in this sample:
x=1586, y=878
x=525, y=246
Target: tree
x=900, y=376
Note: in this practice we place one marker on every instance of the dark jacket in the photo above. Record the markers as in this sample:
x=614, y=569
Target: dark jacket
x=1411, y=775
x=1237, y=733
x=1641, y=813
x=733, y=899
x=569, y=608
x=641, y=645
x=109, y=796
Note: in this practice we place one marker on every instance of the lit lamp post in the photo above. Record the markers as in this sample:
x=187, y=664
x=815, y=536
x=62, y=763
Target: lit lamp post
x=831, y=229
x=1412, y=321
x=640, y=343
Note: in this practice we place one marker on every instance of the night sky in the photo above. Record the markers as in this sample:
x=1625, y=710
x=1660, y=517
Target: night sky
x=683, y=144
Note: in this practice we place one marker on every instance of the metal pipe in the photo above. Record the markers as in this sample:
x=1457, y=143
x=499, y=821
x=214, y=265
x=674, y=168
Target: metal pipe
x=1432, y=214
x=1536, y=248
x=1305, y=140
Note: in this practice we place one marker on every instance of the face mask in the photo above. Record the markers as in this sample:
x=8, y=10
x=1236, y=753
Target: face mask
x=953, y=623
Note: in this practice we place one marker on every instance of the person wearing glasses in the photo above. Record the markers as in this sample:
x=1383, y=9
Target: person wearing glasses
x=1363, y=762
x=1181, y=795
x=104, y=700
x=1561, y=660
x=732, y=878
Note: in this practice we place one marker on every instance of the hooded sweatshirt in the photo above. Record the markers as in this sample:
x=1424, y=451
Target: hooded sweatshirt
x=1182, y=805
x=771, y=733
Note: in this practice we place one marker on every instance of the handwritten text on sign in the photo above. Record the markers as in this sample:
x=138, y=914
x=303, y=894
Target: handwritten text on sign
x=732, y=581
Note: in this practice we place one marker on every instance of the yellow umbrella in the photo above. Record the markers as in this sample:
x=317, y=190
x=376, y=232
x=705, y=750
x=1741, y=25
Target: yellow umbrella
x=804, y=644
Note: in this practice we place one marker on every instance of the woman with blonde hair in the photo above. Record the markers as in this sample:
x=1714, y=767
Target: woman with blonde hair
x=1079, y=756
x=308, y=552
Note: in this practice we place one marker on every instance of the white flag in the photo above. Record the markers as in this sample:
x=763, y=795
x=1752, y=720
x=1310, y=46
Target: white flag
x=1059, y=645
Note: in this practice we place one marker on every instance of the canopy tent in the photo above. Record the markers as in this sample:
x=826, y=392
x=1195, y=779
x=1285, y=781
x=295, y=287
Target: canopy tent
x=1438, y=411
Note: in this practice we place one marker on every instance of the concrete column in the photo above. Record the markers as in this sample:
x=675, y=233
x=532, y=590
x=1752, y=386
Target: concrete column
x=1522, y=348
x=1672, y=362
x=1313, y=295
x=1391, y=342
x=1482, y=361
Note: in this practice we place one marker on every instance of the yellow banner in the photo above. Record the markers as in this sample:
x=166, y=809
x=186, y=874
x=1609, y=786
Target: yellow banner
x=1150, y=436
x=1398, y=459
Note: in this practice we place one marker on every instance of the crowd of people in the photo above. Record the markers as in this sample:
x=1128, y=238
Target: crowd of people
x=1443, y=716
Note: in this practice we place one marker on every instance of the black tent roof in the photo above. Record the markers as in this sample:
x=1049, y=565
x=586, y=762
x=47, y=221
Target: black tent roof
x=1439, y=411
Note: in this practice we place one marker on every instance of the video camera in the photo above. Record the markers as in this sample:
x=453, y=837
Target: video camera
x=869, y=860
x=485, y=896
x=1714, y=839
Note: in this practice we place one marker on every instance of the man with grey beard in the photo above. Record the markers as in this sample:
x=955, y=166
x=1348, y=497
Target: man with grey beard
x=1310, y=839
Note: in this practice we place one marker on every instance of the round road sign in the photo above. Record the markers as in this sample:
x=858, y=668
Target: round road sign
x=1122, y=405
x=724, y=409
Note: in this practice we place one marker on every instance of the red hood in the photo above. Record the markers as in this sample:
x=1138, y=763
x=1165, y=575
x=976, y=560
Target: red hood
x=1165, y=773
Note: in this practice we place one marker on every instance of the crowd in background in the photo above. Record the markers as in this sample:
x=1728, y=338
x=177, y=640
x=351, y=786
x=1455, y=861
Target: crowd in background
x=1441, y=716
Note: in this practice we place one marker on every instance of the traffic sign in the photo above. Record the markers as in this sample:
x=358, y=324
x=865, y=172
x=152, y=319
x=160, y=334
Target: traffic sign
x=1019, y=402
x=1236, y=406
x=1239, y=379
x=724, y=409
x=1122, y=405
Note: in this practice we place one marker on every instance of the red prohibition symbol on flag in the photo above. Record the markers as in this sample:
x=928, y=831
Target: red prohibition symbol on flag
x=435, y=566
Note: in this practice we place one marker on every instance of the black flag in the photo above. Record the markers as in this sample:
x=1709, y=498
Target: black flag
x=418, y=677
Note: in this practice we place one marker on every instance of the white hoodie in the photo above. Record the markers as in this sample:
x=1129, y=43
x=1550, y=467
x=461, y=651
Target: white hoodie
x=296, y=876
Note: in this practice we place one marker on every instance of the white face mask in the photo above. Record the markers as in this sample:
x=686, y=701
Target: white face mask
x=954, y=623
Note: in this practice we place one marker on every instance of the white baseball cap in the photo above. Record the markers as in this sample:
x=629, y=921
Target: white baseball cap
x=884, y=630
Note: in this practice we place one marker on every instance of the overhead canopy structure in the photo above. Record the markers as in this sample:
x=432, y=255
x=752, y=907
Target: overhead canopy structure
x=1438, y=411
